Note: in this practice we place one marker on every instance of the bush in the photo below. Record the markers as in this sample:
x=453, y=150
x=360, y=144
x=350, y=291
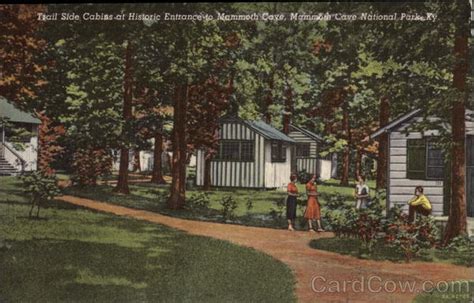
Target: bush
x=409, y=238
x=249, y=205
x=341, y=216
x=199, y=201
x=304, y=176
x=228, y=208
x=89, y=164
x=462, y=249
x=277, y=213
x=40, y=188
x=369, y=225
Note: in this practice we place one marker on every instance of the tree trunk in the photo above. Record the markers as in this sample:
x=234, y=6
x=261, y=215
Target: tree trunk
x=269, y=100
x=288, y=110
x=346, y=156
x=384, y=117
x=207, y=172
x=358, y=164
x=178, y=173
x=457, y=221
x=136, y=161
x=157, y=174
x=122, y=184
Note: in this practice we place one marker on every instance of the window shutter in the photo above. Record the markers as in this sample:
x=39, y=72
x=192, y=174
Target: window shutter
x=416, y=159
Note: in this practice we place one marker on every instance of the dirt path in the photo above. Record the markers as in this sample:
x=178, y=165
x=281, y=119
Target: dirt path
x=344, y=278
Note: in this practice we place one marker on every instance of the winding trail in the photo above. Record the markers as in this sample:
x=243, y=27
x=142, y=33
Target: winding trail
x=314, y=270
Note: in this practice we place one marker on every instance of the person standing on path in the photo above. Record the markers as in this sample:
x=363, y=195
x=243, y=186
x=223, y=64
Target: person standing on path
x=313, y=209
x=291, y=202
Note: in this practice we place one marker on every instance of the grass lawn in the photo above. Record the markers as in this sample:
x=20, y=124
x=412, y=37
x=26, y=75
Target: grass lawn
x=76, y=255
x=153, y=197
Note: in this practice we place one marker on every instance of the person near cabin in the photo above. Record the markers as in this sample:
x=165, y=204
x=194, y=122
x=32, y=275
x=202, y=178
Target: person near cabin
x=419, y=204
x=313, y=209
x=292, y=191
x=361, y=193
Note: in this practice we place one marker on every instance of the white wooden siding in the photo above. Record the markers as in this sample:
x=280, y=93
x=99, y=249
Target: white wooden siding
x=402, y=189
x=470, y=127
x=277, y=174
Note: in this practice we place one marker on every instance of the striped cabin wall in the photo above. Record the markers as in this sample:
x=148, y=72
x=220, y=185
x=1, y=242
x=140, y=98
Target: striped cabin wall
x=309, y=164
x=235, y=173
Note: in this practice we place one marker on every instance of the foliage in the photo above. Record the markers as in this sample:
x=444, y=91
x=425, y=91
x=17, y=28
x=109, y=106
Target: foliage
x=228, y=208
x=341, y=216
x=276, y=212
x=198, y=201
x=40, y=188
x=249, y=204
x=304, y=177
x=410, y=238
x=89, y=165
x=461, y=248
x=369, y=225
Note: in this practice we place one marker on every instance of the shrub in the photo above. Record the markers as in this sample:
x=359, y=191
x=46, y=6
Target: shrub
x=409, y=238
x=199, y=201
x=228, y=208
x=340, y=216
x=89, y=164
x=40, y=188
x=462, y=249
x=369, y=225
x=249, y=205
x=304, y=176
x=277, y=213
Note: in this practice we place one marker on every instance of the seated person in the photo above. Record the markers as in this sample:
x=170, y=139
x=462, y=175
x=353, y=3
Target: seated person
x=419, y=204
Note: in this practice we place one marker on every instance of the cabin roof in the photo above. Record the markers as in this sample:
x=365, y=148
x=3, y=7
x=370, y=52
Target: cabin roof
x=260, y=127
x=395, y=123
x=13, y=114
x=406, y=117
x=308, y=133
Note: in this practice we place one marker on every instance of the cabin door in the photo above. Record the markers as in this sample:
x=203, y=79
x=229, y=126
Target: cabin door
x=470, y=175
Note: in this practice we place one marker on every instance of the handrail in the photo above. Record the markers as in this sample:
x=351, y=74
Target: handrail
x=22, y=161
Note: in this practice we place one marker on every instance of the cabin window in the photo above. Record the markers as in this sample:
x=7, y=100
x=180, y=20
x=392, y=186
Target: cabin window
x=235, y=150
x=247, y=150
x=434, y=162
x=425, y=160
x=302, y=149
x=278, y=151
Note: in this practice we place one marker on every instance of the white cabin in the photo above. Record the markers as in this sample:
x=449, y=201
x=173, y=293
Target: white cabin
x=414, y=160
x=18, y=153
x=251, y=154
x=305, y=155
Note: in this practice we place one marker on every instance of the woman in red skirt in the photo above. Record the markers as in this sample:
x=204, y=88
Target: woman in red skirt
x=313, y=209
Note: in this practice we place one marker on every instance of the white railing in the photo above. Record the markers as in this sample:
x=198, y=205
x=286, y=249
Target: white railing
x=12, y=157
